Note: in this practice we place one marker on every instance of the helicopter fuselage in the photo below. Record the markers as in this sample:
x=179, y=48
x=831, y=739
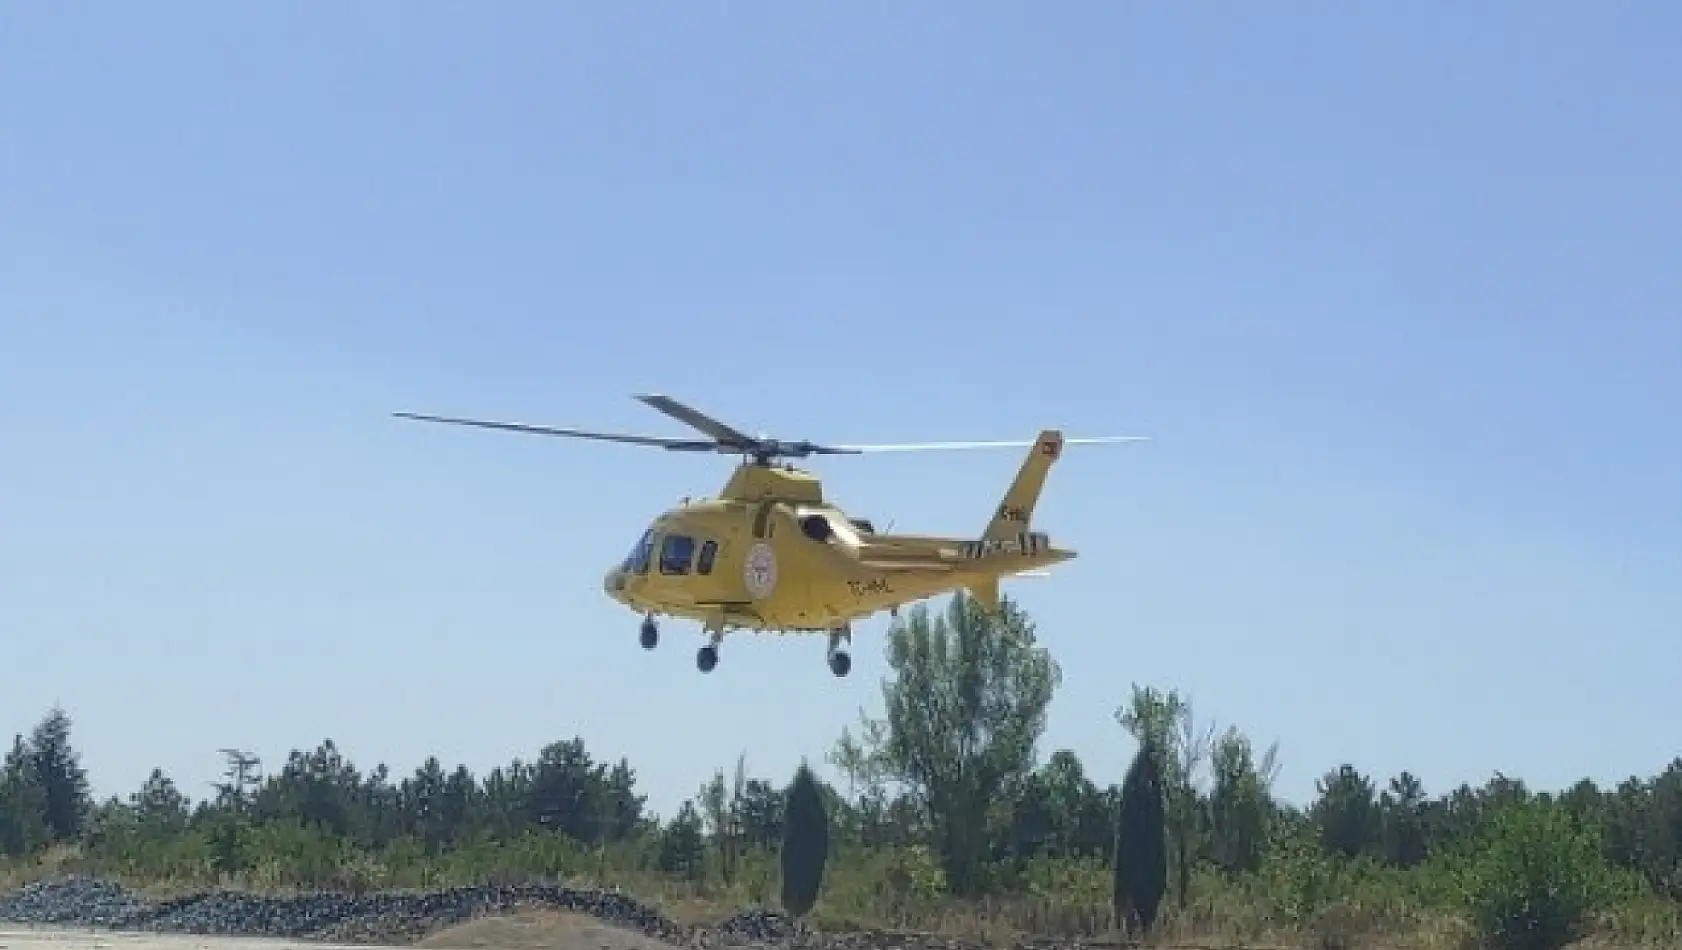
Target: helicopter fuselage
x=772, y=555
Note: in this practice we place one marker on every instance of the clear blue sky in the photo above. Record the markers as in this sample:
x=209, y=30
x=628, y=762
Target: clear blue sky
x=1394, y=287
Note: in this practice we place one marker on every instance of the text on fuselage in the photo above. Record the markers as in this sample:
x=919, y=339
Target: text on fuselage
x=876, y=585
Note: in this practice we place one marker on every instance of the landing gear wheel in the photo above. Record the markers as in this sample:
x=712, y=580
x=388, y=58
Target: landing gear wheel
x=706, y=658
x=650, y=635
x=840, y=663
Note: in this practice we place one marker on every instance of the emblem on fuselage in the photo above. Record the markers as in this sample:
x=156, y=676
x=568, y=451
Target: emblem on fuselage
x=759, y=571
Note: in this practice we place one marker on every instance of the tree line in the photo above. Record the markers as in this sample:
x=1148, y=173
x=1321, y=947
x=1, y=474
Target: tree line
x=943, y=801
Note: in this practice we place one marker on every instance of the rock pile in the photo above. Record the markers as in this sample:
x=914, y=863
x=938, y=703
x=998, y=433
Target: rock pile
x=758, y=925
x=327, y=915
x=73, y=900
x=405, y=916
x=761, y=927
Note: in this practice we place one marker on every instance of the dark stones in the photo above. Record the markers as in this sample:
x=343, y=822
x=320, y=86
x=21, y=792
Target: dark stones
x=324, y=915
x=398, y=917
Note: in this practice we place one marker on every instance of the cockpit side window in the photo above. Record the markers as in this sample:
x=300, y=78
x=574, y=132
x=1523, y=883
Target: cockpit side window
x=637, y=561
x=676, y=551
x=704, y=560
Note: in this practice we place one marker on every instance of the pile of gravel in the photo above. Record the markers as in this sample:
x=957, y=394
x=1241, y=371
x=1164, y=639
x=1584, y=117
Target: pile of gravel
x=405, y=916
x=761, y=926
x=326, y=915
x=73, y=900
x=764, y=928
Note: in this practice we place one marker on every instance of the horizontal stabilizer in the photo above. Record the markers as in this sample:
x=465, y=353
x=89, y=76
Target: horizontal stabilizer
x=1024, y=542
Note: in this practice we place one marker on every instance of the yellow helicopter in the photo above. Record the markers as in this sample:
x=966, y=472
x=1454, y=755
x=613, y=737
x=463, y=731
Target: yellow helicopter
x=770, y=554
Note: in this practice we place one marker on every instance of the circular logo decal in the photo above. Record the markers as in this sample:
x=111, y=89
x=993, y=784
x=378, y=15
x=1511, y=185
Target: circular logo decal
x=759, y=572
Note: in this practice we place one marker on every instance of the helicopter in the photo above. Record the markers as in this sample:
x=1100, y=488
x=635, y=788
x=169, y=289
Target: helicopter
x=770, y=554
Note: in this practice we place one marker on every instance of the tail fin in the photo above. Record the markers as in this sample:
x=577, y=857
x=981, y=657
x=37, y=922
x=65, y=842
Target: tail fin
x=1016, y=510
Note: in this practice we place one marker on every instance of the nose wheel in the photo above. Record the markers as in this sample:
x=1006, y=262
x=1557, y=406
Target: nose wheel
x=650, y=634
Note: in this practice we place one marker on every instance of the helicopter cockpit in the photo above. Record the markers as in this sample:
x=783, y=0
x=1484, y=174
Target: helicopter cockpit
x=638, y=560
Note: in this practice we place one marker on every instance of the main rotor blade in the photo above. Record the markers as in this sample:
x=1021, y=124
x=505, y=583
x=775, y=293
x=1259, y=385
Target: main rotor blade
x=681, y=445
x=694, y=418
x=1004, y=444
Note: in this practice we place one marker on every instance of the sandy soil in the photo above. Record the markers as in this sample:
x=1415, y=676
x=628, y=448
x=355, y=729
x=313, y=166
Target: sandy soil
x=540, y=930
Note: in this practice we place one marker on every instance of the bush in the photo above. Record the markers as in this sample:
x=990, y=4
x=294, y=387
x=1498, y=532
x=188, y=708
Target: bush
x=1537, y=879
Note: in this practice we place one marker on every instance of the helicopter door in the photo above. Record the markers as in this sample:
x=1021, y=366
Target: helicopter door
x=763, y=527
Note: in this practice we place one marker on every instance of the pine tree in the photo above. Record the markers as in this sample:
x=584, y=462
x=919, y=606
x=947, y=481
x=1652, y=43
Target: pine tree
x=805, y=843
x=1141, y=860
x=683, y=847
x=59, y=775
x=159, y=806
x=23, y=806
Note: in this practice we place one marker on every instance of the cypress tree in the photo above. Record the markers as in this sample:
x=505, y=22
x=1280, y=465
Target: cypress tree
x=1141, y=859
x=805, y=843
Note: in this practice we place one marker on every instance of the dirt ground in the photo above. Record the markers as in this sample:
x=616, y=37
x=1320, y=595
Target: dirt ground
x=16, y=937
x=540, y=930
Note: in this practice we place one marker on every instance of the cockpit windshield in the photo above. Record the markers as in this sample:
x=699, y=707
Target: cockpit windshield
x=637, y=561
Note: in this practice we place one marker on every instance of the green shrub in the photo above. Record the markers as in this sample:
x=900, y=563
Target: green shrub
x=1537, y=879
